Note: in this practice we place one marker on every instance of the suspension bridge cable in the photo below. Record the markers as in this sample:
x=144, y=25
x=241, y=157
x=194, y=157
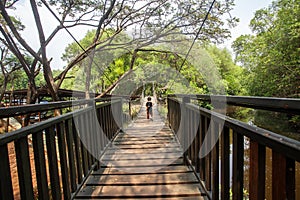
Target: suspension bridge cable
x=76, y=41
x=197, y=35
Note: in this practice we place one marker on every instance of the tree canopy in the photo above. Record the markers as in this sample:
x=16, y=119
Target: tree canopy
x=145, y=22
x=271, y=54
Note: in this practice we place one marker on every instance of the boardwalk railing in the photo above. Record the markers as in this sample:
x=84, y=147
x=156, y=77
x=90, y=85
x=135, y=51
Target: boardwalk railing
x=222, y=170
x=50, y=159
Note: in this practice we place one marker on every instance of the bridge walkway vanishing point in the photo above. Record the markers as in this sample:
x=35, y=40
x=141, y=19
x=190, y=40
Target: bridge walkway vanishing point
x=145, y=161
x=87, y=153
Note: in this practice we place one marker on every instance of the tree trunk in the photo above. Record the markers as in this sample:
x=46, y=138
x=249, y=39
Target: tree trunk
x=46, y=65
x=31, y=98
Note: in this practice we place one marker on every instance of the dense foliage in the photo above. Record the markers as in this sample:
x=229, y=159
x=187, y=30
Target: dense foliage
x=271, y=55
x=125, y=36
x=147, y=22
x=158, y=64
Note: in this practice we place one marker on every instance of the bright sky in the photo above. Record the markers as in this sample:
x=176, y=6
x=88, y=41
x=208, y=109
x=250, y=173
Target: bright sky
x=244, y=10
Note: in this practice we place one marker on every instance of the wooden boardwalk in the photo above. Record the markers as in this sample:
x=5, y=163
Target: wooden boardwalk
x=144, y=162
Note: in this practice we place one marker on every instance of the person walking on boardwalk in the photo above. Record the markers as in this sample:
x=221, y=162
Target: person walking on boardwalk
x=149, y=108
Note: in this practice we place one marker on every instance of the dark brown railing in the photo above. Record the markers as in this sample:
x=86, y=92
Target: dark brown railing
x=221, y=171
x=52, y=158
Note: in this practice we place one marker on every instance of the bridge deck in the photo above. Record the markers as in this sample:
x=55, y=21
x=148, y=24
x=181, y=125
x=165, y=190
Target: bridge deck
x=144, y=162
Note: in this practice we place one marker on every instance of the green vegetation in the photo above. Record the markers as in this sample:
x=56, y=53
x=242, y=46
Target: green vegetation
x=266, y=62
x=271, y=55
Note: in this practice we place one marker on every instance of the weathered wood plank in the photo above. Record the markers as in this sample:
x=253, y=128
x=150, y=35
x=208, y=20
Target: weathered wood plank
x=141, y=156
x=143, y=151
x=143, y=191
x=142, y=179
x=145, y=146
x=156, y=198
x=143, y=163
x=143, y=170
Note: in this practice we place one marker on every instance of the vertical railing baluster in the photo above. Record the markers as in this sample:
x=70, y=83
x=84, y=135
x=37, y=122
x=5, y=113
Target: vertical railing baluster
x=96, y=142
x=197, y=143
x=178, y=115
x=283, y=177
x=84, y=157
x=202, y=136
x=40, y=165
x=93, y=137
x=107, y=114
x=238, y=166
x=61, y=136
x=6, y=190
x=104, y=118
x=88, y=135
x=194, y=135
x=53, y=163
x=257, y=173
x=168, y=113
x=189, y=133
x=110, y=122
x=77, y=149
x=208, y=156
x=24, y=168
x=225, y=167
x=82, y=140
x=290, y=179
x=215, y=160
x=100, y=131
x=71, y=157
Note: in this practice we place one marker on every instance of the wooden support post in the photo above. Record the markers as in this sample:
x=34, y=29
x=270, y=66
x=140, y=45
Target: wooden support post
x=53, y=163
x=40, y=165
x=238, y=166
x=6, y=189
x=185, y=126
x=71, y=157
x=225, y=169
x=257, y=171
x=208, y=156
x=283, y=177
x=215, y=161
x=61, y=135
x=201, y=139
x=7, y=125
x=24, y=168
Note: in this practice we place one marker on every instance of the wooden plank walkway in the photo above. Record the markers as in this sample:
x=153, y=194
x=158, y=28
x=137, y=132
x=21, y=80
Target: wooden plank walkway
x=144, y=162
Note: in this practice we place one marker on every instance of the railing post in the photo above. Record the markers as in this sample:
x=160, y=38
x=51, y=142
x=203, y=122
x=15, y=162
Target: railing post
x=238, y=166
x=283, y=177
x=257, y=171
x=121, y=114
x=168, y=106
x=225, y=166
x=129, y=109
x=184, y=120
x=6, y=189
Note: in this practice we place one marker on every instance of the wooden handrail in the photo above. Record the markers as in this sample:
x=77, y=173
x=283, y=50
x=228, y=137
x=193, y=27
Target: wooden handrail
x=287, y=105
x=33, y=108
x=57, y=153
x=194, y=125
